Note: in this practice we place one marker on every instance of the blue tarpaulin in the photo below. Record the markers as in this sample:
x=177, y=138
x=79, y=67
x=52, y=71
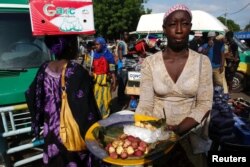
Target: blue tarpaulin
x=242, y=35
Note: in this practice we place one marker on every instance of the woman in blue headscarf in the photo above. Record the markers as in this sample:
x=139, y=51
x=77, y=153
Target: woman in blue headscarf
x=104, y=76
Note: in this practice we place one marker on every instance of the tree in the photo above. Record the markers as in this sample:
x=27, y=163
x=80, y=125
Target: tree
x=113, y=17
x=247, y=28
x=232, y=26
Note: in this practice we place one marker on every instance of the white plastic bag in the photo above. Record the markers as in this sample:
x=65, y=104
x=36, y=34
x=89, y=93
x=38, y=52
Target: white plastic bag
x=146, y=135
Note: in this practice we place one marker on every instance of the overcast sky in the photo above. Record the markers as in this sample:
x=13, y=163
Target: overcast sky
x=238, y=10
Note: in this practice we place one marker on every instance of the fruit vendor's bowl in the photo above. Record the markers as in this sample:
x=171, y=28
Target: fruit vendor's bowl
x=96, y=147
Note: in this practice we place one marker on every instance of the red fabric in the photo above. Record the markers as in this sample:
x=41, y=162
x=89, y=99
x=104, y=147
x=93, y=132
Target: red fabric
x=101, y=65
x=140, y=46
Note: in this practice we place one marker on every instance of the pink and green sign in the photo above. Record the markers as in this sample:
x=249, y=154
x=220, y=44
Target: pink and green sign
x=54, y=17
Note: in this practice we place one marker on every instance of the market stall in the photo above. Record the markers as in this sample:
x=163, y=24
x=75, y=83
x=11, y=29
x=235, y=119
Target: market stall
x=230, y=123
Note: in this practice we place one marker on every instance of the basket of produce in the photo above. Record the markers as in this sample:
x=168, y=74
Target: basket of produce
x=129, y=139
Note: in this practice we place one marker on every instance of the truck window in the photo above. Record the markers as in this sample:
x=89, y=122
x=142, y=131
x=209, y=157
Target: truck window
x=18, y=48
x=241, y=46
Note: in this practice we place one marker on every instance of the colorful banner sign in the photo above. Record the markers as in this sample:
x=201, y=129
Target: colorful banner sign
x=54, y=17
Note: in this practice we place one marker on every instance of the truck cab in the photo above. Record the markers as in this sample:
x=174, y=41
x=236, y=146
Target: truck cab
x=21, y=54
x=242, y=76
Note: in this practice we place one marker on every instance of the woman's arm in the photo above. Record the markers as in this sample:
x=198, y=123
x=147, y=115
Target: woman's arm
x=113, y=82
x=185, y=125
x=111, y=61
x=222, y=59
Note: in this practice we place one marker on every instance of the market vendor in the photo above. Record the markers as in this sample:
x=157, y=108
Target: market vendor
x=177, y=81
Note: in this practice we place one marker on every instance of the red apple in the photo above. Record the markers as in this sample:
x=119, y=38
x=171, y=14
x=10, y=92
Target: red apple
x=107, y=146
x=137, y=139
x=113, y=155
x=124, y=155
x=134, y=145
x=143, y=144
x=131, y=138
x=143, y=149
x=138, y=153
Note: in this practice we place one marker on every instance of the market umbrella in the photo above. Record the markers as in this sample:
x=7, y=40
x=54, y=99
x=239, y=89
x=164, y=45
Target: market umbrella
x=203, y=21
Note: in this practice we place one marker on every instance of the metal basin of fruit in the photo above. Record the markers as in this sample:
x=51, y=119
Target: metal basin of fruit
x=137, y=152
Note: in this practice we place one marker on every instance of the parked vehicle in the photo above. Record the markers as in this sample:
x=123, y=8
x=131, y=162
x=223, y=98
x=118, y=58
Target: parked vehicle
x=242, y=76
x=20, y=56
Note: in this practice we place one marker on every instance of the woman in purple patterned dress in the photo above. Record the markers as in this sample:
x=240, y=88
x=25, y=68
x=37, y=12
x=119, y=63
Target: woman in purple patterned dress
x=44, y=102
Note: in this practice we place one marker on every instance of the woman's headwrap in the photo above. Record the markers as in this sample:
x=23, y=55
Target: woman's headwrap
x=104, y=51
x=57, y=48
x=102, y=42
x=177, y=7
x=56, y=44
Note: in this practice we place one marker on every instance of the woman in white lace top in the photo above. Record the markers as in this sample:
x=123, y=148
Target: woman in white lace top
x=177, y=80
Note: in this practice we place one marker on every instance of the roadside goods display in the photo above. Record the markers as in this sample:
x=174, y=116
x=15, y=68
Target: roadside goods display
x=52, y=17
x=242, y=120
x=241, y=107
x=242, y=130
x=130, y=139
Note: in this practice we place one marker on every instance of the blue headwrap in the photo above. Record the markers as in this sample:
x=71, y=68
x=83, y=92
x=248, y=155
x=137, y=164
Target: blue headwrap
x=104, y=51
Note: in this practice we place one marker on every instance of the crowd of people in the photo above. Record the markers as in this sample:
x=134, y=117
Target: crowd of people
x=223, y=54
x=176, y=82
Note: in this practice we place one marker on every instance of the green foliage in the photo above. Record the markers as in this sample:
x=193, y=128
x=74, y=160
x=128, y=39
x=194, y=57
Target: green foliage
x=247, y=28
x=113, y=17
x=232, y=26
